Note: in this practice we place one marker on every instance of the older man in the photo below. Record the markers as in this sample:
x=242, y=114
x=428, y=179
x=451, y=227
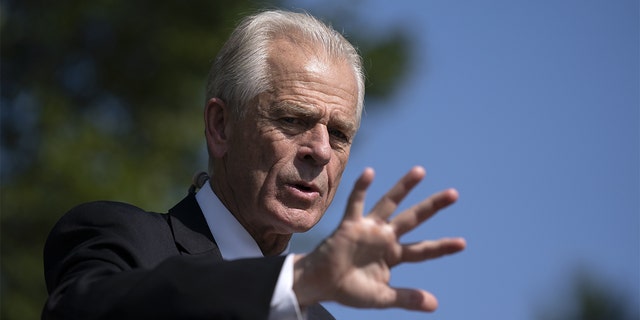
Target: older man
x=284, y=100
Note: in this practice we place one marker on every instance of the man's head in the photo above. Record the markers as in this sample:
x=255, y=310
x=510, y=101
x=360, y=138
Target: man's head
x=285, y=97
x=240, y=70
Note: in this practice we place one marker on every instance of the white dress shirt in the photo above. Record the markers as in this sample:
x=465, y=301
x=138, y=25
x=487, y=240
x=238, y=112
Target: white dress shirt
x=235, y=242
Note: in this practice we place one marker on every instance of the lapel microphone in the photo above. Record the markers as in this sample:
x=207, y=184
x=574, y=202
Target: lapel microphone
x=198, y=180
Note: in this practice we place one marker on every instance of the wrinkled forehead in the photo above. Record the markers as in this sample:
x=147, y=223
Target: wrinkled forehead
x=310, y=63
x=299, y=55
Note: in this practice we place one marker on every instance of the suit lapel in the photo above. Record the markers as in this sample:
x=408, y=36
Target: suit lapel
x=193, y=237
x=190, y=229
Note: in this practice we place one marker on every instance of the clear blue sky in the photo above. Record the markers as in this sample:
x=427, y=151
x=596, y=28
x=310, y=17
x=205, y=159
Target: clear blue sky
x=531, y=110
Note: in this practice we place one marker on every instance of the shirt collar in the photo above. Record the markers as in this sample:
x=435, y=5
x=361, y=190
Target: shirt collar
x=232, y=239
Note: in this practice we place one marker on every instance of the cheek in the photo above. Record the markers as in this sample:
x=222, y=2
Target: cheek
x=272, y=143
x=264, y=162
x=258, y=149
x=335, y=171
x=342, y=158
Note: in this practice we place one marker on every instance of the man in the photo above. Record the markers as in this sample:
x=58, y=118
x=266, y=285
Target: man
x=284, y=100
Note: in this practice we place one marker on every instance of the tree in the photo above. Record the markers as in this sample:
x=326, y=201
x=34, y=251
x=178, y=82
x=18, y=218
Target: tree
x=591, y=298
x=103, y=100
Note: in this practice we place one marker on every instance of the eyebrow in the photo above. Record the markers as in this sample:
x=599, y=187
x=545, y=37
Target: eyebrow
x=337, y=121
x=288, y=108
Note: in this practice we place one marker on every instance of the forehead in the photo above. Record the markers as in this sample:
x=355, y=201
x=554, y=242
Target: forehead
x=306, y=73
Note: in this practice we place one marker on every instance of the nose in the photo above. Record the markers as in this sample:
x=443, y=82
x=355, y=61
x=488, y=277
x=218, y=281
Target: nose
x=317, y=147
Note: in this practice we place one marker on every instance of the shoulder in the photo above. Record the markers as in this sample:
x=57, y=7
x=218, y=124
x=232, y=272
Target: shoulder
x=108, y=236
x=108, y=219
x=124, y=234
x=110, y=213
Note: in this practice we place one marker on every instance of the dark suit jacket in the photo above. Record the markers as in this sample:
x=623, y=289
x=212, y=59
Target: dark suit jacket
x=110, y=260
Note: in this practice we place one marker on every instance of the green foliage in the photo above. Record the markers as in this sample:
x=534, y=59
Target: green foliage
x=591, y=298
x=103, y=99
x=385, y=64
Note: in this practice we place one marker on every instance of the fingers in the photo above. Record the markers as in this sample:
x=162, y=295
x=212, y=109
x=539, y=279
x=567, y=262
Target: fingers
x=390, y=201
x=431, y=249
x=412, y=299
x=417, y=214
x=420, y=300
x=355, y=204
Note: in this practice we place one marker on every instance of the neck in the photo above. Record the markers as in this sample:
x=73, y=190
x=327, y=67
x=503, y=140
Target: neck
x=274, y=246
x=270, y=243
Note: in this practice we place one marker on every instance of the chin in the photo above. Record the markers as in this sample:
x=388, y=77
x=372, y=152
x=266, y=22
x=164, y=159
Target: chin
x=298, y=220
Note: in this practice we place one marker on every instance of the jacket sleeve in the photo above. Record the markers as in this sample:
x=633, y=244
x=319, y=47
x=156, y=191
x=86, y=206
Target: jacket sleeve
x=107, y=260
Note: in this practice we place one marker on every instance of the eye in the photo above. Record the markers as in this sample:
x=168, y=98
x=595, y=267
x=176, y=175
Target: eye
x=292, y=125
x=341, y=136
x=290, y=120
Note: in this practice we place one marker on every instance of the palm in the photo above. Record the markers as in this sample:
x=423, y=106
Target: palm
x=370, y=249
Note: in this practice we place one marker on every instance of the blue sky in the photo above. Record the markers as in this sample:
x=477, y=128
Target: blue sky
x=531, y=110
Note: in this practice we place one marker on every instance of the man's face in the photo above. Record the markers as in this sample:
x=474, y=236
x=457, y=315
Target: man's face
x=285, y=158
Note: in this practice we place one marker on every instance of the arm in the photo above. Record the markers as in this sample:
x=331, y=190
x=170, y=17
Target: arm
x=352, y=266
x=114, y=261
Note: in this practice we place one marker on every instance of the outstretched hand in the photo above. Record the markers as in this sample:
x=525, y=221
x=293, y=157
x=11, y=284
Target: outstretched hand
x=352, y=266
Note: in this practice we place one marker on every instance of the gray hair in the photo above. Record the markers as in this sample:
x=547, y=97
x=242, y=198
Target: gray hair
x=239, y=72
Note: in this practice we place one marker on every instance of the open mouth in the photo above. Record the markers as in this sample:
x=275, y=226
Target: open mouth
x=303, y=188
x=304, y=192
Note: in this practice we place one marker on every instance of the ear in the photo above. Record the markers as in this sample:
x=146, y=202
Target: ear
x=216, y=119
